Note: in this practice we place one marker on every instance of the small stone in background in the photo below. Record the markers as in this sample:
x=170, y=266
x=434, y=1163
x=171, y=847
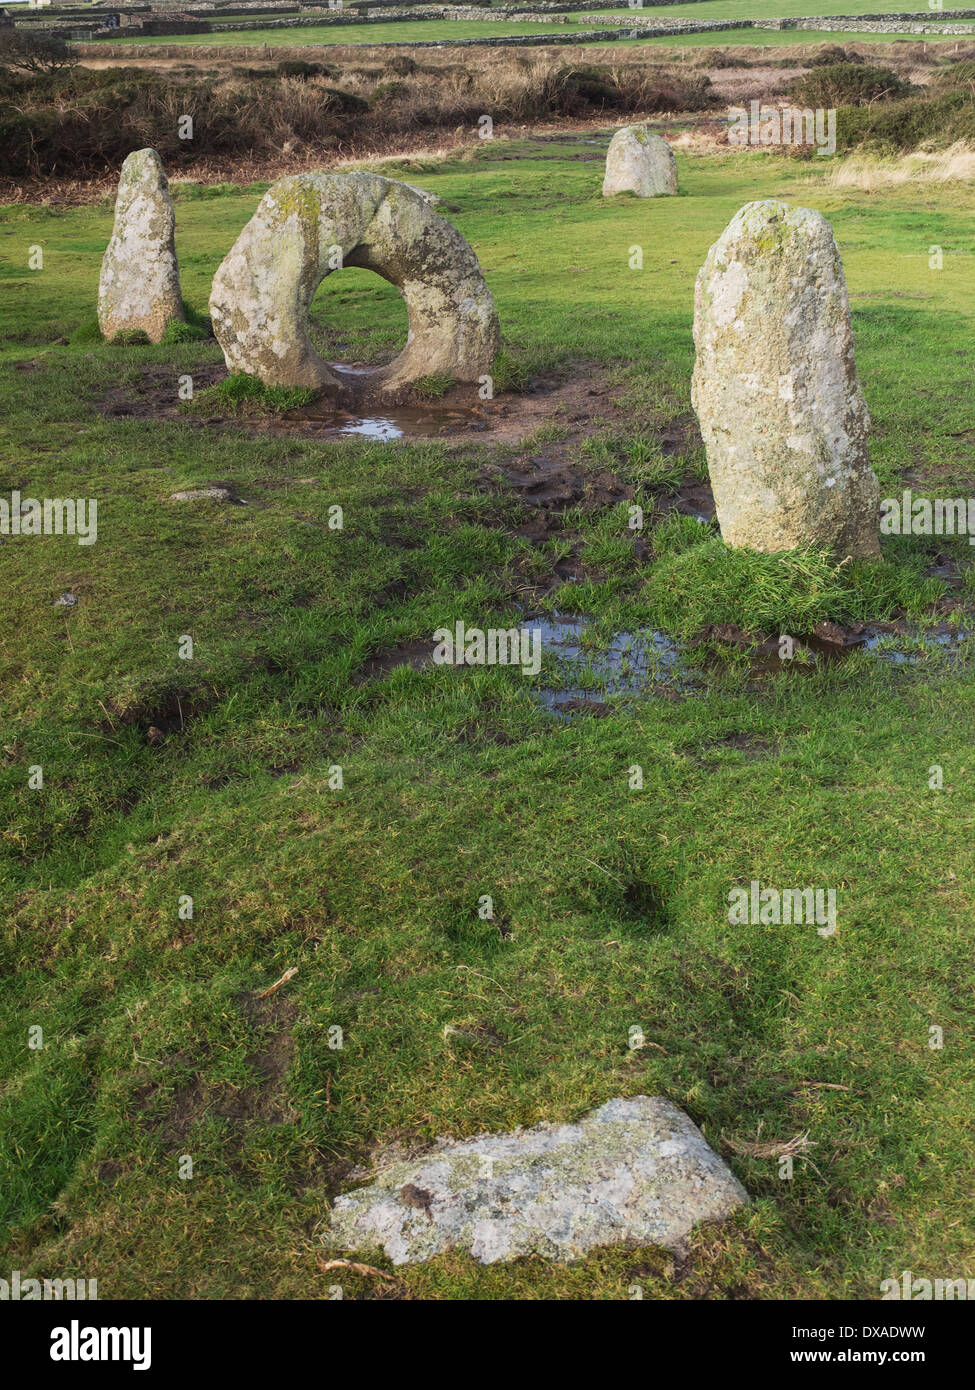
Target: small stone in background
x=641, y=163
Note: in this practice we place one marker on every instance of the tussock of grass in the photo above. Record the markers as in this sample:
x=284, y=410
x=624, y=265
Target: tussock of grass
x=869, y=173
x=241, y=394
x=639, y=459
x=193, y=327
x=696, y=586
x=508, y=373
x=431, y=388
x=677, y=533
x=87, y=331
x=131, y=337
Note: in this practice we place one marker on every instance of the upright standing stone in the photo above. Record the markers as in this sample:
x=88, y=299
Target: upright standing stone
x=139, y=284
x=775, y=387
x=641, y=163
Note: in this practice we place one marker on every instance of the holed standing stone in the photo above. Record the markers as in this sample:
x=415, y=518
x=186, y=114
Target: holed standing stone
x=776, y=391
x=139, y=284
x=641, y=163
x=308, y=225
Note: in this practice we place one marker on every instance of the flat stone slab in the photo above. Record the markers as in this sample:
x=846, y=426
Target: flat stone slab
x=636, y=1171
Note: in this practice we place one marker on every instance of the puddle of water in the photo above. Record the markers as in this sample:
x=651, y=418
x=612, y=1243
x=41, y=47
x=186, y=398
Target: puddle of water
x=372, y=427
x=631, y=663
x=945, y=639
x=649, y=661
x=897, y=648
x=432, y=421
x=416, y=422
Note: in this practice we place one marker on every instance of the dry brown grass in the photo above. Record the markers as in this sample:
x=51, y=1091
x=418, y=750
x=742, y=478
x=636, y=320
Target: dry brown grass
x=898, y=54
x=87, y=123
x=871, y=174
x=707, y=139
x=770, y=1148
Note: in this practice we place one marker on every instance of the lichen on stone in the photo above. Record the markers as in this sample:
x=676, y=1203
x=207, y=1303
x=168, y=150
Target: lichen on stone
x=263, y=290
x=139, y=289
x=635, y=1171
x=788, y=463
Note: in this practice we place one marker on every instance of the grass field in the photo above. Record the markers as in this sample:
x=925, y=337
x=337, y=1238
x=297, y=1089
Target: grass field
x=417, y=31
x=439, y=31
x=741, y=9
x=211, y=778
x=432, y=31
x=721, y=38
x=773, y=9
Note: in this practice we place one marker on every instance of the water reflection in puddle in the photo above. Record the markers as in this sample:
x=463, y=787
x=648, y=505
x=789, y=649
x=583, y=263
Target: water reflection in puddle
x=649, y=661
x=630, y=663
x=371, y=427
x=414, y=422
x=435, y=420
x=923, y=643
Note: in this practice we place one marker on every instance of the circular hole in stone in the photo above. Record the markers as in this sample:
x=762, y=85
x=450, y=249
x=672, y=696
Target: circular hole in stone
x=357, y=319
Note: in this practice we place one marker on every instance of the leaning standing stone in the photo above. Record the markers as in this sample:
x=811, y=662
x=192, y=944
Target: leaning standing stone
x=139, y=285
x=775, y=387
x=641, y=163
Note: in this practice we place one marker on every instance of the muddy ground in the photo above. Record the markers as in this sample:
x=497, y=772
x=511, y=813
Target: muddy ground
x=524, y=456
x=579, y=403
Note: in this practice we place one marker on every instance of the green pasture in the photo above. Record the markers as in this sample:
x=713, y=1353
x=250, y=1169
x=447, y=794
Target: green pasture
x=214, y=778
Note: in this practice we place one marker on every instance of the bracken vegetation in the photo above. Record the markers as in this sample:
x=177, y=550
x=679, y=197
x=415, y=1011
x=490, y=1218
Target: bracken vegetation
x=83, y=122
